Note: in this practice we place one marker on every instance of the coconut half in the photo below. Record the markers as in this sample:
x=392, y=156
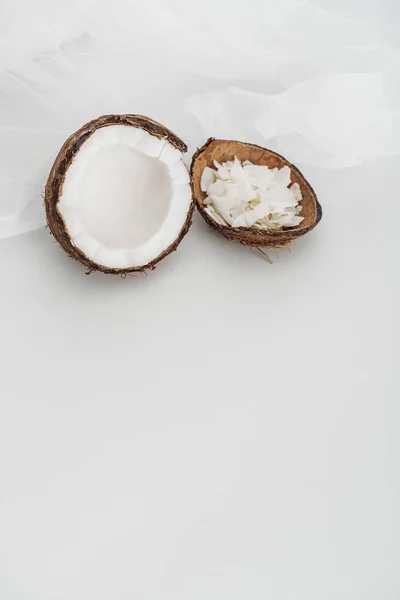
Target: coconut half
x=118, y=198
x=226, y=150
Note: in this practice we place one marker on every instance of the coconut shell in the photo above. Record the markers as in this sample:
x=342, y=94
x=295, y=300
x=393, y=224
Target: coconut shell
x=224, y=150
x=57, y=176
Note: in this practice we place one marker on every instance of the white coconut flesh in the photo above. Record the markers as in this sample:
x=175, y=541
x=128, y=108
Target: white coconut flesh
x=125, y=197
x=241, y=194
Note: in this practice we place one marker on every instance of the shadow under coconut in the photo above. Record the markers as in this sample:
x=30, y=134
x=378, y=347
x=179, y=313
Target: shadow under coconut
x=297, y=250
x=172, y=266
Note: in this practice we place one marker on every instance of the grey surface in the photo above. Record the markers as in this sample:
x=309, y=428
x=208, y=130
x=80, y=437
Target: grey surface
x=222, y=428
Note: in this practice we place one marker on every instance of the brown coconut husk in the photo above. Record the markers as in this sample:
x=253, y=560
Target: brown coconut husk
x=224, y=150
x=57, y=176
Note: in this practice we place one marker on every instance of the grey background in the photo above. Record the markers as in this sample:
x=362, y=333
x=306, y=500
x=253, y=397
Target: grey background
x=222, y=428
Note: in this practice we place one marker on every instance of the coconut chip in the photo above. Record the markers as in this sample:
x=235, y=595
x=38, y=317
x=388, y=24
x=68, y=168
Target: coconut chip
x=241, y=194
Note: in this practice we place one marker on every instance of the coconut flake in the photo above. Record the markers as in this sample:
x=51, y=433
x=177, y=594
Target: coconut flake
x=295, y=188
x=214, y=215
x=241, y=191
x=218, y=188
x=282, y=177
x=207, y=178
x=248, y=218
x=241, y=194
x=222, y=170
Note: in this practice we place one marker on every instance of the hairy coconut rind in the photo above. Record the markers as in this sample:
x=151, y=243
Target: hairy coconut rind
x=224, y=150
x=57, y=176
